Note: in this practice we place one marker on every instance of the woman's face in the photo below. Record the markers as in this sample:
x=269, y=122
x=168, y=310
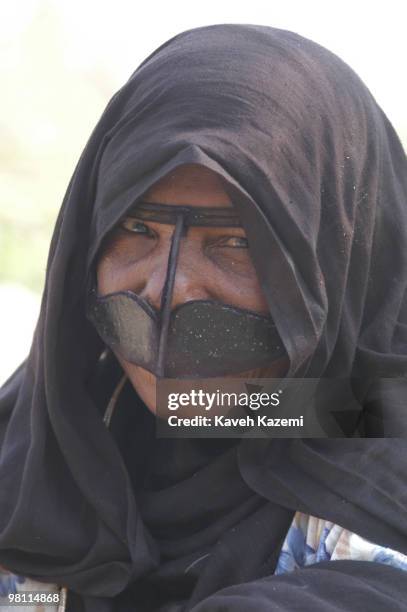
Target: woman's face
x=213, y=263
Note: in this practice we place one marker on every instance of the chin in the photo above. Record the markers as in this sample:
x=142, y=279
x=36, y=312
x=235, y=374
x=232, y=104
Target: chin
x=145, y=383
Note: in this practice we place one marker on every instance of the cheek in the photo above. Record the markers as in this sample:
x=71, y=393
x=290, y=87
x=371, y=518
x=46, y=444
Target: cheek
x=251, y=296
x=115, y=269
x=115, y=263
x=108, y=267
x=105, y=274
x=237, y=284
x=246, y=293
x=112, y=277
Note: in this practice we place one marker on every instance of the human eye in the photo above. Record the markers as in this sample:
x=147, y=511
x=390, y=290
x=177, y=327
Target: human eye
x=136, y=227
x=236, y=242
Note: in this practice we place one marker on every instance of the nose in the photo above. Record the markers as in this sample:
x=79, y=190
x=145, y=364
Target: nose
x=190, y=282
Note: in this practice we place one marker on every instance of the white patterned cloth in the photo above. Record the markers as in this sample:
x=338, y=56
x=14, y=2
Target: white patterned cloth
x=309, y=540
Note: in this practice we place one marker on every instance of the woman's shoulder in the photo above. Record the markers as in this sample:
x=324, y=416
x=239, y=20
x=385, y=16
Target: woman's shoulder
x=16, y=589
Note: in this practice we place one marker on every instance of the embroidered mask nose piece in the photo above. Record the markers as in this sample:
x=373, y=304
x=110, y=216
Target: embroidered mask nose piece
x=197, y=339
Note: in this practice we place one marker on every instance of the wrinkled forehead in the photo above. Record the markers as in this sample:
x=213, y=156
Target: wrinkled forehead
x=192, y=191
x=190, y=182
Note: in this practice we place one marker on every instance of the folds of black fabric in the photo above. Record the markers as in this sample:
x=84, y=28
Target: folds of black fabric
x=205, y=517
x=198, y=508
x=318, y=177
x=331, y=586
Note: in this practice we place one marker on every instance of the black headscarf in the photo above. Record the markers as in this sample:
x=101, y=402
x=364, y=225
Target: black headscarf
x=317, y=174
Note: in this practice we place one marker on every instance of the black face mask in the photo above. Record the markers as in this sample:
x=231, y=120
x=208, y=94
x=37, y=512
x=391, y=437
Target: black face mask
x=198, y=339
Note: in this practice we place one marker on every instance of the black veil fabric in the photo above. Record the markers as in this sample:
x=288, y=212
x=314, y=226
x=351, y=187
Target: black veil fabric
x=318, y=176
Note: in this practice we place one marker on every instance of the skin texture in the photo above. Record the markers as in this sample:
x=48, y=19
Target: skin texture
x=213, y=263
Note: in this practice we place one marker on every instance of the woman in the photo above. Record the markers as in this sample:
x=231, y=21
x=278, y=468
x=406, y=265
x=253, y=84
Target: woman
x=285, y=139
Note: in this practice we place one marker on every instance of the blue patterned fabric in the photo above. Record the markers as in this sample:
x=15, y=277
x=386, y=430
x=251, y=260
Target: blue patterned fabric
x=311, y=540
x=9, y=582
